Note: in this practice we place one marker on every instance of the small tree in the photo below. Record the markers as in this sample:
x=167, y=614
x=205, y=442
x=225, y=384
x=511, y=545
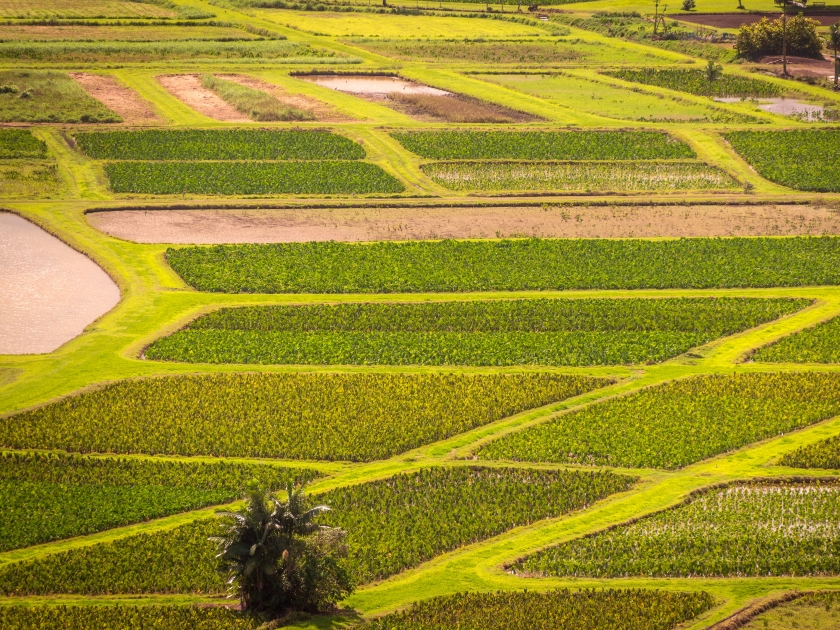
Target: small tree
x=713, y=72
x=834, y=43
x=278, y=559
x=688, y=5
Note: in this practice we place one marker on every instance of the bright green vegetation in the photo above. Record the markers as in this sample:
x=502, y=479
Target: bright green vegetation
x=820, y=344
x=51, y=496
x=697, y=82
x=28, y=180
x=19, y=143
x=582, y=94
x=399, y=522
x=297, y=415
x=446, y=266
x=804, y=160
x=255, y=104
x=579, y=176
x=542, y=332
x=122, y=617
x=677, y=423
x=744, y=529
x=814, y=611
x=251, y=178
x=822, y=454
x=218, y=144
x=99, y=51
x=482, y=51
x=46, y=96
x=608, y=609
x=544, y=145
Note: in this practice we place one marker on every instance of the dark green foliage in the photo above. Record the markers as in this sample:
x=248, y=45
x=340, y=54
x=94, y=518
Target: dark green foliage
x=543, y=145
x=556, y=332
x=820, y=344
x=766, y=37
x=802, y=159
x=823, y=454
x=250, y=178
x=509, y=265
x=397, y=523
x=123, y=617
x=218, y=144
x=20, y=143
x=46, y=96
x=51, y=496
x=746, y=529
x=608, y=609
x=678, y=423
x=357, y=417
x=696, y=82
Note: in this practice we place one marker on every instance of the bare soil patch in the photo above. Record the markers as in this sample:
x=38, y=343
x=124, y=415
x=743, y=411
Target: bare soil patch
x=118, y=98
x=188, y=89
x=735, y=20
x=321, y=111
x=368, y=224
x=799, y=66
x=454, y=108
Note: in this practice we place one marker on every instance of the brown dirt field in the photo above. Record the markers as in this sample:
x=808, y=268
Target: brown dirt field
x=799, y=66
x=321, y=111
x=368, y=224
x=454, y=108
x=735, y=20
x=188, y=89
x=118, y=98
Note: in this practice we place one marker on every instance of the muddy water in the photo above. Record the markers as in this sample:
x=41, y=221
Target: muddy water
x=371, y=85
x=49, y=292
x=788, y=107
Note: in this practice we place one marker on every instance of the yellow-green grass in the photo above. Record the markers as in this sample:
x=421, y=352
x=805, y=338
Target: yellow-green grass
x=20, y=179
x=157, y=31
x=818, y=611
x=82, y=9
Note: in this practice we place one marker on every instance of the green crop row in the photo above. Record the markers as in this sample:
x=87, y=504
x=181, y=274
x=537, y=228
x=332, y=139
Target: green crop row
x=822, y=454
x=391, y=524
x=20, y=143
x=697, y=82
x=218, y=144
x=509, y=265
x=562, y=609
x=358, y=417
x=250, y=178
x=544, y=145
x=48, y=497
x=578, y=176
x=678, y=423
x=820, y=344
x=746, y=529
x=117, y=617
x=804, y=160
x=255, y=104
x=540, y=332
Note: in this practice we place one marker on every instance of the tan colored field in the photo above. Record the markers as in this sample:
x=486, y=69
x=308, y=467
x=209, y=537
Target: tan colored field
x=188, y=89
x=80, y=8
x=119, y=33
x=118, y=98
x=368, y=224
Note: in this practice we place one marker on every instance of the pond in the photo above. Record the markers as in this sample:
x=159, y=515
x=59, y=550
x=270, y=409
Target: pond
x=49, y=292
x=370, y=84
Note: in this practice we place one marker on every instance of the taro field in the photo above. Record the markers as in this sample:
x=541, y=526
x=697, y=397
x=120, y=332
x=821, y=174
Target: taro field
x=543, y=303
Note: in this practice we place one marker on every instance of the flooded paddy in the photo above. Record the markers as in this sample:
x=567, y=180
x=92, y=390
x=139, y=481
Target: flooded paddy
x=49, y=292
x=795, y=108
x=371, y=85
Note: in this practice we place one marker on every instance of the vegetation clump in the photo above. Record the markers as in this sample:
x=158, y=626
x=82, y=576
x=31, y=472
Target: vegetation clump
x=255, y=104
x=20, y=143
x=766, y=37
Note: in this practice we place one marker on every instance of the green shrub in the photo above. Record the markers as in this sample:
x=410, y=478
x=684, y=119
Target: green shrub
x=802, y=159
x=697, y=82
x=509, y=265
x=218, y=144
x=250, y=178
x=820, y=344
x=745, y=529
x=20, y=143
x=608, y=609
x=546, y=332
x=255, y=104
x=299, y=415
x=677, y=423
x=543, y=145
x=765, y=37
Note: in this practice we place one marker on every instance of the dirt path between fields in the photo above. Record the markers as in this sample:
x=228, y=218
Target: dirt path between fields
x=188, y=89
x=118, y=98
x=368, y=224
x=321, y=111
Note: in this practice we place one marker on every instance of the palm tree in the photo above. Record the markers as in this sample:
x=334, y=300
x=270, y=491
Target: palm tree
x=713, y=73
x=834, y=42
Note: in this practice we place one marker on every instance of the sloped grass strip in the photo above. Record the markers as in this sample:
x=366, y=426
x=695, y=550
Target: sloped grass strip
x=52, y=496
x=820, y=344
x=803, y=159
x=544, y=145
x=509, y=265
x=745, y=529
x=356, y=417
x=218, y=144
x=250, y=178
x=20, y=143
x=678, y=423
x=515, y=332
x=562, y=609
x=392, y=524
x=823, y=454
x=124, y=617
x=578, y=176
